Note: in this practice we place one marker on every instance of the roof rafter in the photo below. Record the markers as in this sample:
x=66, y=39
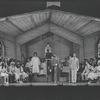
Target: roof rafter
x=54, y=29
x=15, y=25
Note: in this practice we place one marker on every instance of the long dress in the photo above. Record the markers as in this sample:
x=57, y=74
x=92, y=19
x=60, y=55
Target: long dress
x=35, y=62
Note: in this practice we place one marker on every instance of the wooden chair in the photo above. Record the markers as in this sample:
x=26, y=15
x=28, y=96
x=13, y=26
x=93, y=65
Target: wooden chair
x=66, y=69
x=4, y=79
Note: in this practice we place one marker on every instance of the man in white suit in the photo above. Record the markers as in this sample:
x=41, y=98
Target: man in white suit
x=74, y=68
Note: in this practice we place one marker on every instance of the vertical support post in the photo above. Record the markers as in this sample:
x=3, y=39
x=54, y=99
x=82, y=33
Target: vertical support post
x=18, y=51
x=81, y=53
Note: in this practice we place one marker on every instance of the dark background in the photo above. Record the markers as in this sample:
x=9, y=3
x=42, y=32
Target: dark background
x=83, y=7
x=50, y=93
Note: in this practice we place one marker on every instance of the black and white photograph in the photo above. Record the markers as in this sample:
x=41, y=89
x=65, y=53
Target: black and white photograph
x=49, y=49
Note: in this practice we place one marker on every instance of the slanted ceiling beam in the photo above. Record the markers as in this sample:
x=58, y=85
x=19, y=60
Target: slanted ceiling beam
x=52, y=28
x=25, y=37
x=71, y=36
x=21, y=31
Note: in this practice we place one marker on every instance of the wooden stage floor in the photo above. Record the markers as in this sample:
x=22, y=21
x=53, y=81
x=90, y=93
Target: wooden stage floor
x=50, y=84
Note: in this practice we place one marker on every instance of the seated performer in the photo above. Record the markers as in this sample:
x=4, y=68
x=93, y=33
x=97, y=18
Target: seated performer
x=28, y=66
x=98, y=70
x=1, y=62
x=23, y=75
x=17, y=72
x=80, y=71
x=4, y=73
x=94, y=74
x=20, y=75
x=86, y=71
x=43, y=67
x=11, y=72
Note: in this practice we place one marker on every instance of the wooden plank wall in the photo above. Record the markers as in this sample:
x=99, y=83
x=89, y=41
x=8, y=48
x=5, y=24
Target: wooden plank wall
x=61, y=47
x=76, y=50
x=90, y=45
x=9, y=44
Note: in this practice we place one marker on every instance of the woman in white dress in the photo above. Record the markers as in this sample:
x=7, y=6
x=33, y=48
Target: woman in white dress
x=17, y=73
x=35, y=62
x=86, y=71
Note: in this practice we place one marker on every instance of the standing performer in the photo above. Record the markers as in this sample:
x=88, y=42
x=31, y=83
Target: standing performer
x=48, y=60
x=69, y=65
x=56, y=67
x=74, y=68
x=35, y=62
x=47, y=48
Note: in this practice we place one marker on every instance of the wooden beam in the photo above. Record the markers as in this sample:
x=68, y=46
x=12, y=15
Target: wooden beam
x=25, y=37
x=81, y=28
x=66, y=34
x=69, y=36
x=54, y=29
x=21, y=31
x=6, y=36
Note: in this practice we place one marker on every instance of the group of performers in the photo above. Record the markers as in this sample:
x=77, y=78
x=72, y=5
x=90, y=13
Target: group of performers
x=54, y=62
x=11, y=72
x=50, y=66
x=90, y=72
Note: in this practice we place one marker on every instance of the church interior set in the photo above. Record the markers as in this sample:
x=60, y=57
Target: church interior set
x=52, y=30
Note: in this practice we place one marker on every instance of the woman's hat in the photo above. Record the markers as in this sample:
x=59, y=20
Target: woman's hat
x=98, y=62
x=12, y=63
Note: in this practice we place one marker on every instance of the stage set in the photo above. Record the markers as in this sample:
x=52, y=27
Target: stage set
x=48, y=40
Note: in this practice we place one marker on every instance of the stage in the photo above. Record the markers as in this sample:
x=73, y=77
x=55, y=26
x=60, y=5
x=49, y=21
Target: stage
x=50, y=84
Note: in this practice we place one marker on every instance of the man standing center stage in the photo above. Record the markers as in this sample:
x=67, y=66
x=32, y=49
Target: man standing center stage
x=48, y=59
x=74, y=68
x=56, y=67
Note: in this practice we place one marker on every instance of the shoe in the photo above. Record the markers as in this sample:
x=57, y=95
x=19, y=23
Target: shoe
x=74, y=82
